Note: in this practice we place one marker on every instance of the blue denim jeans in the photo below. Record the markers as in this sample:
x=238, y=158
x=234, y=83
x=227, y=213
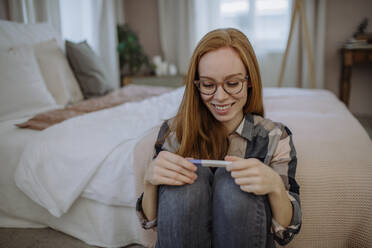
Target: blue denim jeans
x=212, y=212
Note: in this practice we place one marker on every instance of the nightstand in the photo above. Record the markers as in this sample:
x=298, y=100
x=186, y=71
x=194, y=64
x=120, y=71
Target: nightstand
x=350, y=57
x=167, y=81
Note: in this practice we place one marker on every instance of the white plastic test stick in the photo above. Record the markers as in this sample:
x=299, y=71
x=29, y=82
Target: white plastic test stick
x=210, y=163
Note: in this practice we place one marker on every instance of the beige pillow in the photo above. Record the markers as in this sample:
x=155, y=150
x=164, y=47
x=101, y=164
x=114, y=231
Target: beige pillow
x=57, y=73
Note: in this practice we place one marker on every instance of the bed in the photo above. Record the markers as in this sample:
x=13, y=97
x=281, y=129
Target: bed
x=82, y=176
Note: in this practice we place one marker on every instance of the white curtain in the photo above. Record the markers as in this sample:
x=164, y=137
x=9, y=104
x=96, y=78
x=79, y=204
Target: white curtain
x=32, y=11
x=94, y=21
x=315, y=14
x=265, y=22
x=177, y=31
x=199, y=17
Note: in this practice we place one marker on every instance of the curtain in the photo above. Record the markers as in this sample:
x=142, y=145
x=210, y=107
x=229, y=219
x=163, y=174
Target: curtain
x=177, y=31
x=265, y=22
x=315, y=14
x=105, y=36
x=32, y=11
x=199, y=17
x=94, y=21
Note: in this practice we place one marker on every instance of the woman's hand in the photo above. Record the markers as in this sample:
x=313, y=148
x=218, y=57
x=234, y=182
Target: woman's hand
x=170, y=169
x=254, y=176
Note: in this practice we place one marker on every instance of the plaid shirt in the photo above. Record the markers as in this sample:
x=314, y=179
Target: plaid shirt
x=260, y=138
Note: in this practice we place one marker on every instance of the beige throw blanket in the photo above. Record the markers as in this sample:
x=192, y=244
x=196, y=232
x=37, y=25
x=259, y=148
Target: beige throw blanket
x=130, y=93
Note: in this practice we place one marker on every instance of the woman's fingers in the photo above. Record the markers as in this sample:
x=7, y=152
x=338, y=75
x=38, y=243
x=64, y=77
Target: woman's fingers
x=251, y=172
x=176, y=167
x=170, y=181
x=179, y=169
x=164, y=172
x=176, y=159
x=243, y=164
x=170, y=169
x=247, y=180
x=251, y=189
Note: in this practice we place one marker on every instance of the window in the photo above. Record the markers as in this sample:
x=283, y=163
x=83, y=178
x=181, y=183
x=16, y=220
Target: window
x=265, y=22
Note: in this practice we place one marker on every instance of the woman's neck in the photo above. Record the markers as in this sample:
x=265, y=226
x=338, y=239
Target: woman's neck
x=233, y=124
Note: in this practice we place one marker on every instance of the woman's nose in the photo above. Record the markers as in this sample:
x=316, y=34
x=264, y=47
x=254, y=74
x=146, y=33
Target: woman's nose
x=220, y=94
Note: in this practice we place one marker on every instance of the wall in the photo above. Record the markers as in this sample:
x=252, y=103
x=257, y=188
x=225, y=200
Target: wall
x=142, y=17
x=3, y=10
x=342, y=19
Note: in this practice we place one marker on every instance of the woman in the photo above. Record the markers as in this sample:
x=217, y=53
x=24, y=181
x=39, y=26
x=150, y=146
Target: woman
x=252, y=201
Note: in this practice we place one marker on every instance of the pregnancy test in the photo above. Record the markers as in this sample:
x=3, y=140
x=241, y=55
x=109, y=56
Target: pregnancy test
x=210, y=163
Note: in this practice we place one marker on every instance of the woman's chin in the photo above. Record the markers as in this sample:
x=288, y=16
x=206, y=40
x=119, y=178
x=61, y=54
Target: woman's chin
x=223, y=118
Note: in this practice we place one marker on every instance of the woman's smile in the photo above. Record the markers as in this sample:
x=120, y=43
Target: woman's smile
x=222, y=109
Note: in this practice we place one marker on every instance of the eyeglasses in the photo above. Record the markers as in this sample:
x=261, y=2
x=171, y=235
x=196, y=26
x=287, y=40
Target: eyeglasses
x=230, y=86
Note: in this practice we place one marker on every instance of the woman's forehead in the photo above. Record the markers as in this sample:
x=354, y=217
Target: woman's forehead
x=220, y=63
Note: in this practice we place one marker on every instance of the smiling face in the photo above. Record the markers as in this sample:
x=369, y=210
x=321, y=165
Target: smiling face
x=218, y=66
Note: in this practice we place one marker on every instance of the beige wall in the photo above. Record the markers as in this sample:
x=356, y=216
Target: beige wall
x=142, y=17
x=342, y=19
x=3, y=10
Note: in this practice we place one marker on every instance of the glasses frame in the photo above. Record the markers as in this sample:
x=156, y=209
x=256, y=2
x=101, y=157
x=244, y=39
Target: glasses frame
x=245, y=79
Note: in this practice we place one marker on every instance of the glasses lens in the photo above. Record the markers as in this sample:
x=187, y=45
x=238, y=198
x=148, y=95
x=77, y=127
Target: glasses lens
x=207, y=87
x=233, y=86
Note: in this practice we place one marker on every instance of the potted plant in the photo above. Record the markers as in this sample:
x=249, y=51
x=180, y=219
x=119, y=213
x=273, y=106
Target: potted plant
x=131, y=55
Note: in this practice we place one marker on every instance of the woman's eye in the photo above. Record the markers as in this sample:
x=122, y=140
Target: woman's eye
x=232, y=83
x=207, y=84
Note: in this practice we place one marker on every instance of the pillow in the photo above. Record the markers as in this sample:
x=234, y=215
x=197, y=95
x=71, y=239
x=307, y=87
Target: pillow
x=16, y=34
x=57, y=73
x=88, y=68
x=22, y=88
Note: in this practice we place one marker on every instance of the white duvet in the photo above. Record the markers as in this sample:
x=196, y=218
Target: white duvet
x=91, y=155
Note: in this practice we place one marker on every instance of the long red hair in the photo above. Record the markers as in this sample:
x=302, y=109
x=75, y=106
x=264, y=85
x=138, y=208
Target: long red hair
x=199, y=134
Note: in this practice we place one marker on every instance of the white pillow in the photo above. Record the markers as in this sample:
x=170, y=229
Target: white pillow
x=57, y=73
x=15, y=34
x=22, y=88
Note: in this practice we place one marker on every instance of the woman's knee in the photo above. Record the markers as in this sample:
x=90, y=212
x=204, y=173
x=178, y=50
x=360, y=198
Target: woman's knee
x=184, y=214
x=188, y=198
x=240, y=217
x=232, y=201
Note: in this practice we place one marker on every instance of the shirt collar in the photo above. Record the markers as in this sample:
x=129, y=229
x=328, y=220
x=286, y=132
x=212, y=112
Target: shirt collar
x=245, y=128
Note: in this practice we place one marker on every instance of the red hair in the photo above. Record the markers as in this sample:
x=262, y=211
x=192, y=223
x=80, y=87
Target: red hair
x=199, y=134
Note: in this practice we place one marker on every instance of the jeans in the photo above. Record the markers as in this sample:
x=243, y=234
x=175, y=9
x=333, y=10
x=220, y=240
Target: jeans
x=212, y=212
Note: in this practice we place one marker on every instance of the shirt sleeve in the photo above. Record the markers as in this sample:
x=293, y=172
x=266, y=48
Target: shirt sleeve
x=284, y=162
x=145, y=223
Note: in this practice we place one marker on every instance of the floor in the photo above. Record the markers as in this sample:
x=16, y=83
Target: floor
x=46, y=238
x=41, y=238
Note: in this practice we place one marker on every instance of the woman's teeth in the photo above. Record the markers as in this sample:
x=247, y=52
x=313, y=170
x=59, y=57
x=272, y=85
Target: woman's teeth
x=222, y=107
